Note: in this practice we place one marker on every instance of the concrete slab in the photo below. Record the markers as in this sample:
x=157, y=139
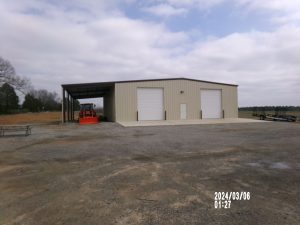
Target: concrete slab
x=188, y=122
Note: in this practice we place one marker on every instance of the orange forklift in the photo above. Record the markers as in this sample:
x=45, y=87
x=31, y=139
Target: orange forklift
x=87, y=114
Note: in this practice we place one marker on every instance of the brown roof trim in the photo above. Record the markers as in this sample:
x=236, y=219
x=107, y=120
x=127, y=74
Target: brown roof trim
x=166, y=79
x=129, y=81
x=88, y=84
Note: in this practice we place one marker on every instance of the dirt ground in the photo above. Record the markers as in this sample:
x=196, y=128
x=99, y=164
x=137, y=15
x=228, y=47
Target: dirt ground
x=108, y=174
x=55, y=117
x=31, y=118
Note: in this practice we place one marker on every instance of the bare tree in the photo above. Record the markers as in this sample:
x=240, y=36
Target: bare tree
x=49, y=100
x=8, y=75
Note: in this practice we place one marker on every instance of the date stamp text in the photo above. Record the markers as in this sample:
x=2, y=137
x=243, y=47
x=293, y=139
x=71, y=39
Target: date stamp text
x=224, y=199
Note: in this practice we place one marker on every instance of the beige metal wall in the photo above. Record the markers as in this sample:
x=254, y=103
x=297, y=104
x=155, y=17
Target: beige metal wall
x=109, y=105
x=126, y=98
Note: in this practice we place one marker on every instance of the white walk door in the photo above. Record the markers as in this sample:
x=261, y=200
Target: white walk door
x=183, y=111
x=150, y=103
x=211, y=104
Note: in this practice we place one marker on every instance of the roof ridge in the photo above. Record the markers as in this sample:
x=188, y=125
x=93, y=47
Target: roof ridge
x=145, y=80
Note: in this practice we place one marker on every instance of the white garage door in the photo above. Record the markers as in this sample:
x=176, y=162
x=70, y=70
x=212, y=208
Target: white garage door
x=211, y=104
x=150, y=103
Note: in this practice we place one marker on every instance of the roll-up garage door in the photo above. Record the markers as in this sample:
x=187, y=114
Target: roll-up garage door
x=150, y=103
x=211, y=104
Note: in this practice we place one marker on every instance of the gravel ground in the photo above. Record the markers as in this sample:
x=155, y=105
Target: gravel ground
x=108, y=174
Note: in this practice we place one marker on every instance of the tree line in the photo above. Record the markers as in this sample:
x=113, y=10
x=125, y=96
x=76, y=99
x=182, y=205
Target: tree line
x=34, y=100
x=270, y=108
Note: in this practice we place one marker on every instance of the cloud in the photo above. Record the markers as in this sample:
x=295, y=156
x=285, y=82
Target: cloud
x=287, y=5
x=282, y=12
x=55, y=44
x=264, y=64
x=55, y=50
x=273, y=5
x=201, y=4
x=291, y=18
x=165, y=10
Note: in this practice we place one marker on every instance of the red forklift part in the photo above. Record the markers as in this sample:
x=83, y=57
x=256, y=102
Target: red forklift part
x=88, y=120
x=87, y=114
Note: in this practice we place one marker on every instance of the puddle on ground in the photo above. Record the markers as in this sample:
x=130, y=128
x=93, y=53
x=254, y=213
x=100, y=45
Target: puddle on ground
x=61, y=136
x=254, y=164
x=280, y=165
x=269, y=164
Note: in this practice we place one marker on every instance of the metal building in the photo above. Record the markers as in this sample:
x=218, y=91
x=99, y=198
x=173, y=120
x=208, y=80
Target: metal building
x=157, y=99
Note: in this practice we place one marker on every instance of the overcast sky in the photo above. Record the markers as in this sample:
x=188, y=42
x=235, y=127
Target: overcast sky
x=252, y=43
